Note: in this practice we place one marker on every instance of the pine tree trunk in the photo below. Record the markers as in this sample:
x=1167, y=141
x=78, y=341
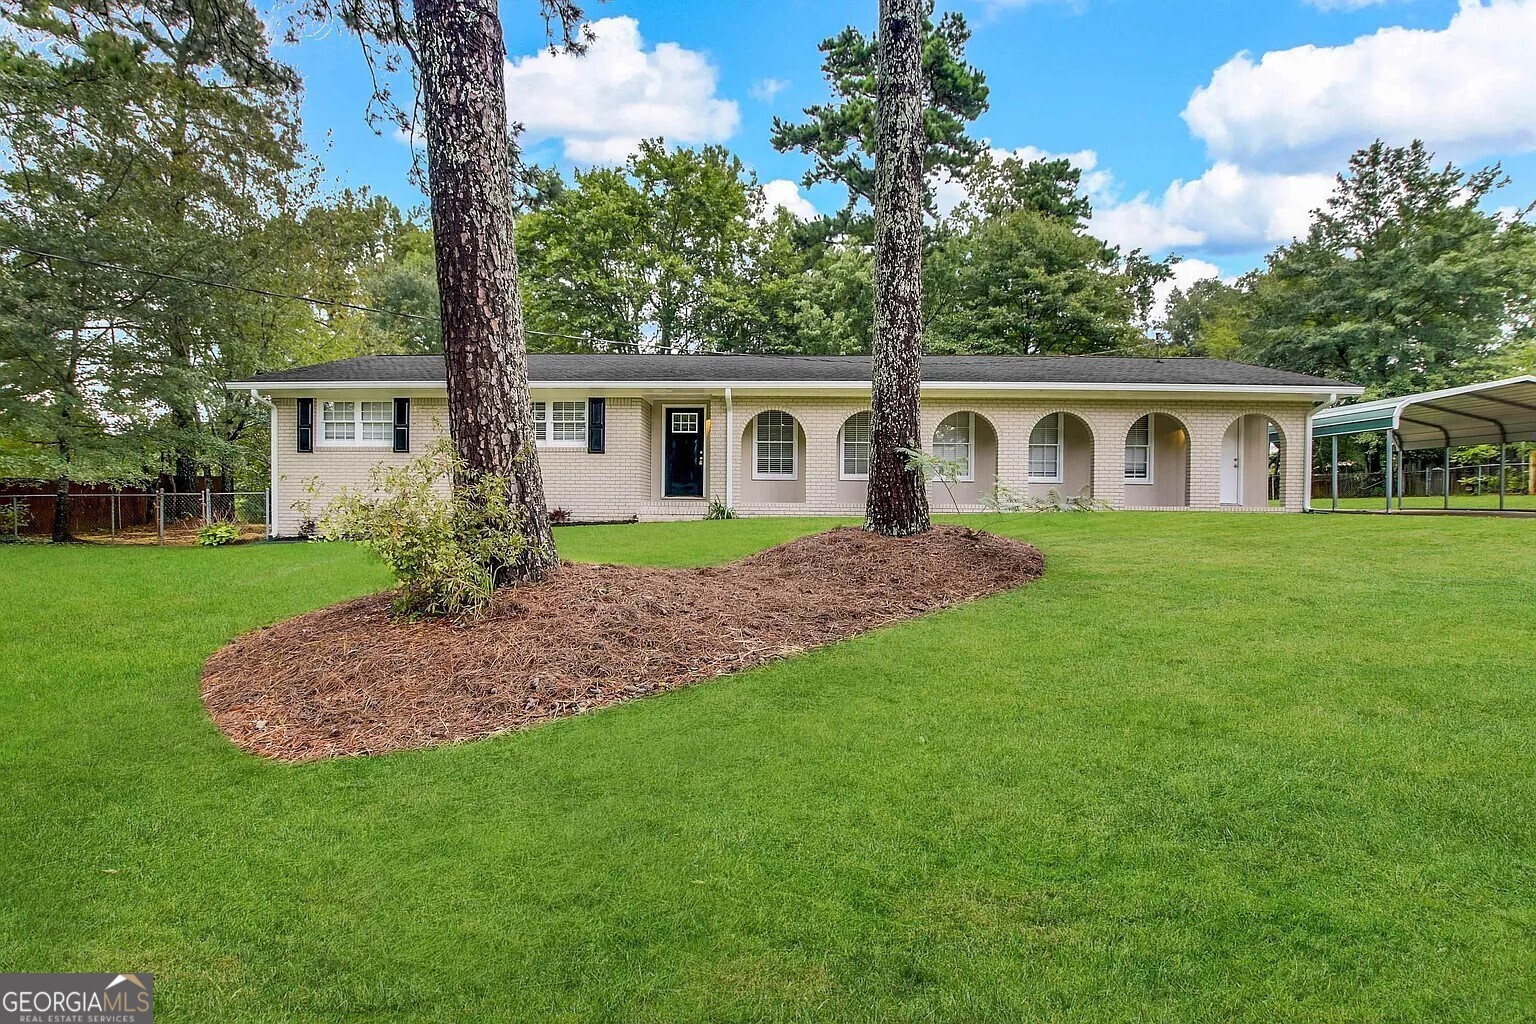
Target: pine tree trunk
x=460, y=60
x=898, y=497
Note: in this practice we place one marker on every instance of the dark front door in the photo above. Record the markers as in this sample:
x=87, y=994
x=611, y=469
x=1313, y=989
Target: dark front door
x=682, y=468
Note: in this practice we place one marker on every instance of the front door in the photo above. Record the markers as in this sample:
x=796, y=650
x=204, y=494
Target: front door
x=1232, y=465
x=682, y=469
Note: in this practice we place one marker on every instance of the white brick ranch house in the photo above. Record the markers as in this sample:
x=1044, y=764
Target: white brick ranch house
x=657, y=436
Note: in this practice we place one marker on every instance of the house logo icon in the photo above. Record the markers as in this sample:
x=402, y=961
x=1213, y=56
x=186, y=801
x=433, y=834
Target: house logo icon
x=76, y=998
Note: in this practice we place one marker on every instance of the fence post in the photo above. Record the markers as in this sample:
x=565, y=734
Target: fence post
x=112, y=513
x=15, y=517
x=207, y=505
x=160, y=513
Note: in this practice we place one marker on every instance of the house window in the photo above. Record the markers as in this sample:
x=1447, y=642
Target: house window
x=378, y=421
x=364, y=424
x=1138, y=451
x=1045, y=450
x=337, y=422
x=855, y=445
x=560, y=423
x=685, y=423
x=953, y=442
x=773, y=447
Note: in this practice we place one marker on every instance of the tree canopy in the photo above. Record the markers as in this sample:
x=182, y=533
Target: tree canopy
x=1405, y=281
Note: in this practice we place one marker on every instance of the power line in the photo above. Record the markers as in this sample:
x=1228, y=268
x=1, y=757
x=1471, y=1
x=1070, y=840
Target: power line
x=290, y=296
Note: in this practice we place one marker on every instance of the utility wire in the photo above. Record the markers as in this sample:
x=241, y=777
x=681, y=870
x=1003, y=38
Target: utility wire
x=290, y=296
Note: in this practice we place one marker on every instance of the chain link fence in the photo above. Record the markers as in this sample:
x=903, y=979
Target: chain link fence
x=160, y=517
x=1470, y=486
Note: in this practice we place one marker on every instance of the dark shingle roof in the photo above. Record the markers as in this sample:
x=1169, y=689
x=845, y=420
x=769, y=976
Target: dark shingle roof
x=701, y=369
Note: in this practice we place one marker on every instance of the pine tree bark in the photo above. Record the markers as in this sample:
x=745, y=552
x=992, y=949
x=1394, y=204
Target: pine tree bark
x=460, y=57
x=897, y=504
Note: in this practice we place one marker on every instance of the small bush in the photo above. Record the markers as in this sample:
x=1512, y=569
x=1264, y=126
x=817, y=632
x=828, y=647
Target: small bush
x=946, y=471
x=218, y=534
x=718, y=509
x=1006, y=499
x=559, y=516
x=13, y=519
x=444, y=543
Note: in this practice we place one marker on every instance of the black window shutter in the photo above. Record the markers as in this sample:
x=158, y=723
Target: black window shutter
x=597, y=425
x=402, y=424
x=306, y=424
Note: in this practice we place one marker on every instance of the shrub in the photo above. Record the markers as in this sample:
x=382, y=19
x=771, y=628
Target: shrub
x=218, y=534
x=946, y=471
x=718, y=509
x=445, y=543
x=1006, y=499
x=559, y=516
x=13, y=519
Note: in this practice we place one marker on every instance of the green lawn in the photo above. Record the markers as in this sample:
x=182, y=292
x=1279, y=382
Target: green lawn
x=1514, y=502
x=1211, y=768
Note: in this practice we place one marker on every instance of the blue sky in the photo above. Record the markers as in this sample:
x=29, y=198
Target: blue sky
x=1206, y=127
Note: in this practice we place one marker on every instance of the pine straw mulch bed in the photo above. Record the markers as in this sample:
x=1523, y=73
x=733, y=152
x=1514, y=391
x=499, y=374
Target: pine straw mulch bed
x=349, y=680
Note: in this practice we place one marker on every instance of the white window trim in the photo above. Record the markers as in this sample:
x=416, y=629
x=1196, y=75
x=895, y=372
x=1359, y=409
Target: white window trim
x=970, y=445
x=841, y=461
x=794, y=448
x=542, y=438
x=1061, y=449
x=1150, y=478
x=319, y=440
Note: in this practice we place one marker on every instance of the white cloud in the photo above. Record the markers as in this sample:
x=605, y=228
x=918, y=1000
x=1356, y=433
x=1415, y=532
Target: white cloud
x=1096, y=182
x=1468, y=89
x=1225, y=209
x=766, y=89
x=602, y=104
x=781, y=193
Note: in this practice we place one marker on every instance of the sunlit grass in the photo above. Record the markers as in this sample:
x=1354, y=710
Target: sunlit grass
x=1211, y=768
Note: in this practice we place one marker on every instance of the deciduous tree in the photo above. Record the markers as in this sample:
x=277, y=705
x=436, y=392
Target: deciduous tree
x=1405, y=282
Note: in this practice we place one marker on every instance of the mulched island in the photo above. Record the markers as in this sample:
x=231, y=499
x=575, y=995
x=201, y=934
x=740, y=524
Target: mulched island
x=350, y=680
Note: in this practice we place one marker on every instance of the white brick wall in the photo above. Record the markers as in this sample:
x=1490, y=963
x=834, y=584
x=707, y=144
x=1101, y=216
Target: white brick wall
x=332, y=468
x=626, y=479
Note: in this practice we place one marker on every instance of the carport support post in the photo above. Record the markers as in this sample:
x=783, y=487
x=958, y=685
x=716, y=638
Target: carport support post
x=1402, y=469
x=1503, y=452
x=1335, y=472
x=1447, y=477
x=1387, y=481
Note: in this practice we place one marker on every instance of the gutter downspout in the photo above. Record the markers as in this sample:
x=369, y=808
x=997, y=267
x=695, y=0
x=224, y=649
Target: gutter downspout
x=730, y=455
x=271, y=461
x=1306, y=494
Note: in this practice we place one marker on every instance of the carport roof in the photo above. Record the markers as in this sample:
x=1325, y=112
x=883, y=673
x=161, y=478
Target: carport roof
x=1498, y=412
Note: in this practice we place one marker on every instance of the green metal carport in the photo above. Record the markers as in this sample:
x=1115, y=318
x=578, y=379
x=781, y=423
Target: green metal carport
x=1499, y=412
